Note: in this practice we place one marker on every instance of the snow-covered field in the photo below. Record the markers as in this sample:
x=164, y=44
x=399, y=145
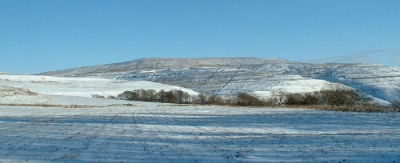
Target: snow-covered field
x=155, y=132
x=83, y=87
x=52, y=119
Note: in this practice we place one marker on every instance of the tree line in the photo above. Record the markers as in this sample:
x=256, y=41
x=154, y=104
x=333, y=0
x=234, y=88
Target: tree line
x=327, y=97
x=332, y=98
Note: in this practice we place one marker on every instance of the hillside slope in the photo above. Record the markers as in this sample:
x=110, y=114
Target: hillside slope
x=82, y=87
x=226, y=76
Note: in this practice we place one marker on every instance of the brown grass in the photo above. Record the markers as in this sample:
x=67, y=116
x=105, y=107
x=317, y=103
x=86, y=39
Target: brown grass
x=11, y=91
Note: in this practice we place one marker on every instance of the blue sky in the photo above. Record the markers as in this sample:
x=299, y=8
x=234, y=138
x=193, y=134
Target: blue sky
x=44, y=35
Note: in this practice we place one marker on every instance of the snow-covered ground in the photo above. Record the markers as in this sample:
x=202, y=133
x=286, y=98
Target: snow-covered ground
x=51, y=100
x=83, y=87
x=286, y=84
x=156, y=132
x=227, y=76
x=52, y=119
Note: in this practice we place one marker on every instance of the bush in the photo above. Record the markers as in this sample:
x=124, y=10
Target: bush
x=299, y=99
x=244, y=99
x=202, y=99
x=215, y=100
x=128, y=95
x=311, y=99
x=161, y=96
x=182, y=97
x=339, y=97
x=172, y=96
x=295, y=99
x=146, y=95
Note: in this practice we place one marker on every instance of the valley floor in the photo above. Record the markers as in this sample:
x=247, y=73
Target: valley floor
x=155, y=132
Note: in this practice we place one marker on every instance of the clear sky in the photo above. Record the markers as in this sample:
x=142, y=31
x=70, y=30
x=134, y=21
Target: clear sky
x=44, y=35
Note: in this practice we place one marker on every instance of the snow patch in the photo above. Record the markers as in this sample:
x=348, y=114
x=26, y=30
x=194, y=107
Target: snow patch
x=83, y=87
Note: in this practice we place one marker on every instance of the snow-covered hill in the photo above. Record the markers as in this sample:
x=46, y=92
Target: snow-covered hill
x=83, y=87
x=225, y=76
x=38, y=124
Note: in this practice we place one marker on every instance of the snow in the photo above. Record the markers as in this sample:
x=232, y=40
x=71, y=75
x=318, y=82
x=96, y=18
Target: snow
x=55, y=119
x=156, y=132
x=49, y=100
x=150, y=71
x=227, y=76
x=63, y=123
x=299, y=85
x=83, y=87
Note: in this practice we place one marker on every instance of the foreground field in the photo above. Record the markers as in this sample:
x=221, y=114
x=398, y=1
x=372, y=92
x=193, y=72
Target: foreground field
x=154, y=132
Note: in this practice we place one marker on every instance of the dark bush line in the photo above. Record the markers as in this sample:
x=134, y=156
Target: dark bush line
x=180, y=97
x=173, y=96
x=343, y=100
x=326, y=97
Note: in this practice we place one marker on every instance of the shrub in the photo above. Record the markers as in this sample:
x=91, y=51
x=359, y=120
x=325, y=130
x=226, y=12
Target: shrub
x=181, y=97
x=128, y=95
x=146, y=95
x=295, y=99
x=311, y=98
x=202, y=99
x=244, y=99
x=161, y=96
x=215, y=100
x=339, y=97
x=170, y=97
x=299, y=99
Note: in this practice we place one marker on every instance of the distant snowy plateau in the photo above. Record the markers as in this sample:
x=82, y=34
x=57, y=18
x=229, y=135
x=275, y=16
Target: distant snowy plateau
x=259, y=76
